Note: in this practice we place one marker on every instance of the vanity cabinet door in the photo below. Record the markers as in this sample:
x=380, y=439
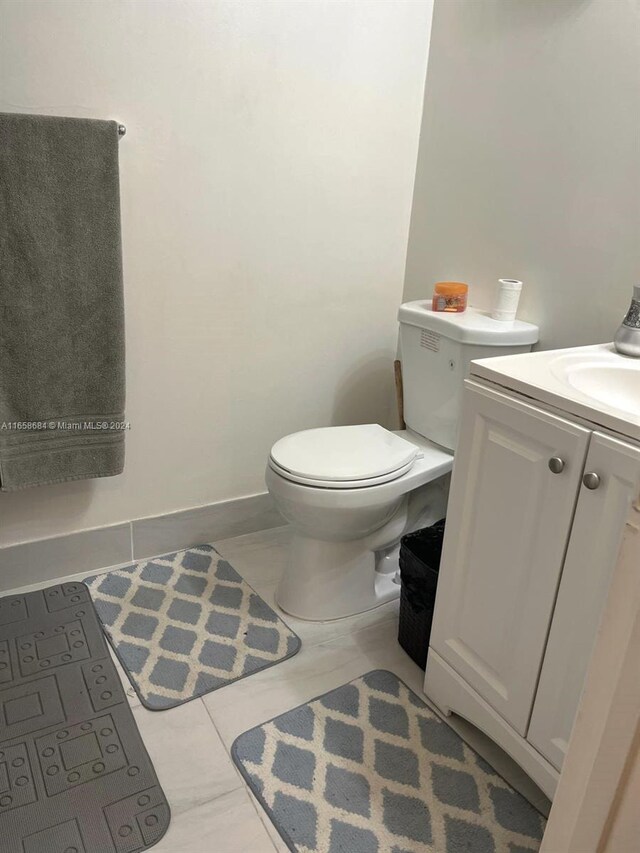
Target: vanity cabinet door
x=591, y=556
x=508, y=523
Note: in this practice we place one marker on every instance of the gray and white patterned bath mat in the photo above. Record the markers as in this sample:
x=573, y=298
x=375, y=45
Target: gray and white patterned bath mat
x=74, y=773
x=368, y=768
x=186, y=623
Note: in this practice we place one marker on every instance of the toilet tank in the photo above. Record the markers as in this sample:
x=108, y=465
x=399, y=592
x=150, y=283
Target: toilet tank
x=436, y=350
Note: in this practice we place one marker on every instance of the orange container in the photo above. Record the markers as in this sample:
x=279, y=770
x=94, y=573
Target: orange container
x=450, y=296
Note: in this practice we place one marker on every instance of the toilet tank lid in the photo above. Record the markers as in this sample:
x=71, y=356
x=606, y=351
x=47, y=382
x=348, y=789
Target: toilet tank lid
x=470, y=327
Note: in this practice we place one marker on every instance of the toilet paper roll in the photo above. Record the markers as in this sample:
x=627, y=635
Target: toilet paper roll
x=507, y=298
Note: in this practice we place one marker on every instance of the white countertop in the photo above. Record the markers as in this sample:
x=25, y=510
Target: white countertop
x=595, y=383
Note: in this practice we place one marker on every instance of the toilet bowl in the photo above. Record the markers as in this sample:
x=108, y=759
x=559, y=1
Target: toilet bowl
x=349, y=494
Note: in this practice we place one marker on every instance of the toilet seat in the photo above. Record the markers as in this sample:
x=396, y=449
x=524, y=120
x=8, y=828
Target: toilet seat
x=347, y=457
x=339, y=484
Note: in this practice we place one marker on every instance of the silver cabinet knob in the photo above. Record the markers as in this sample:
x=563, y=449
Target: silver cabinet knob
x=556, y=465
x=591, y=480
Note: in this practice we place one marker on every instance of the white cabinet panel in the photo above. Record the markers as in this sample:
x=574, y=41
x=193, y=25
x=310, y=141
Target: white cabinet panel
x=591, y=556
x=508, y=522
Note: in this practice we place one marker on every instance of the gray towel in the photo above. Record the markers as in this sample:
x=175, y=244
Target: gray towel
x=61, y=303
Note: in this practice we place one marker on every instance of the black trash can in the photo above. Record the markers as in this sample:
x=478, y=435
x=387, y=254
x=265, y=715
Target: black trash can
x=420, y=554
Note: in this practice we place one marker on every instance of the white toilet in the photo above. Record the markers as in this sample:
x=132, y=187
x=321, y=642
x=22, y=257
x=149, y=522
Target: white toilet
x=351, y=492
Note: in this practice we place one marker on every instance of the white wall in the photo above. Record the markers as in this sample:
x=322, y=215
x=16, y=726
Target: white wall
x=267, y=175
x=529, y=163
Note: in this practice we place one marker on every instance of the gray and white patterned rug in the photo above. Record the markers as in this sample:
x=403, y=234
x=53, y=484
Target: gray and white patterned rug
x=186, y=623
x=368, y=768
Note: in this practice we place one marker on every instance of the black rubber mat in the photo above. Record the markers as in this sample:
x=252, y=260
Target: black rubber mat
x=75, y=776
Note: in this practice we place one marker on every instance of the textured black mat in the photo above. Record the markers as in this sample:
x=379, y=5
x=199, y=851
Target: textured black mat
x=75, y=776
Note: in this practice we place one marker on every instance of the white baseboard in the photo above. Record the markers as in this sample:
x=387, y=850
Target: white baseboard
x=32, y=563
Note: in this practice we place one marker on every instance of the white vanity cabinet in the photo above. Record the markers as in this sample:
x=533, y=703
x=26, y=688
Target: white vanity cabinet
x=535, y=517
x=592, y=549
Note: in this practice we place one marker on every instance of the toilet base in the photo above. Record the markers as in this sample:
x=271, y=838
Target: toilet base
x=329, y=579
x=347, y=585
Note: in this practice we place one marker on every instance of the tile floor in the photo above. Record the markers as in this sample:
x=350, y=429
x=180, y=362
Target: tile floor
x=211, y=806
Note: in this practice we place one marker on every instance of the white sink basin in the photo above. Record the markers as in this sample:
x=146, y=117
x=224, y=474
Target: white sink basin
x=595, y=383
x=617, y=386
